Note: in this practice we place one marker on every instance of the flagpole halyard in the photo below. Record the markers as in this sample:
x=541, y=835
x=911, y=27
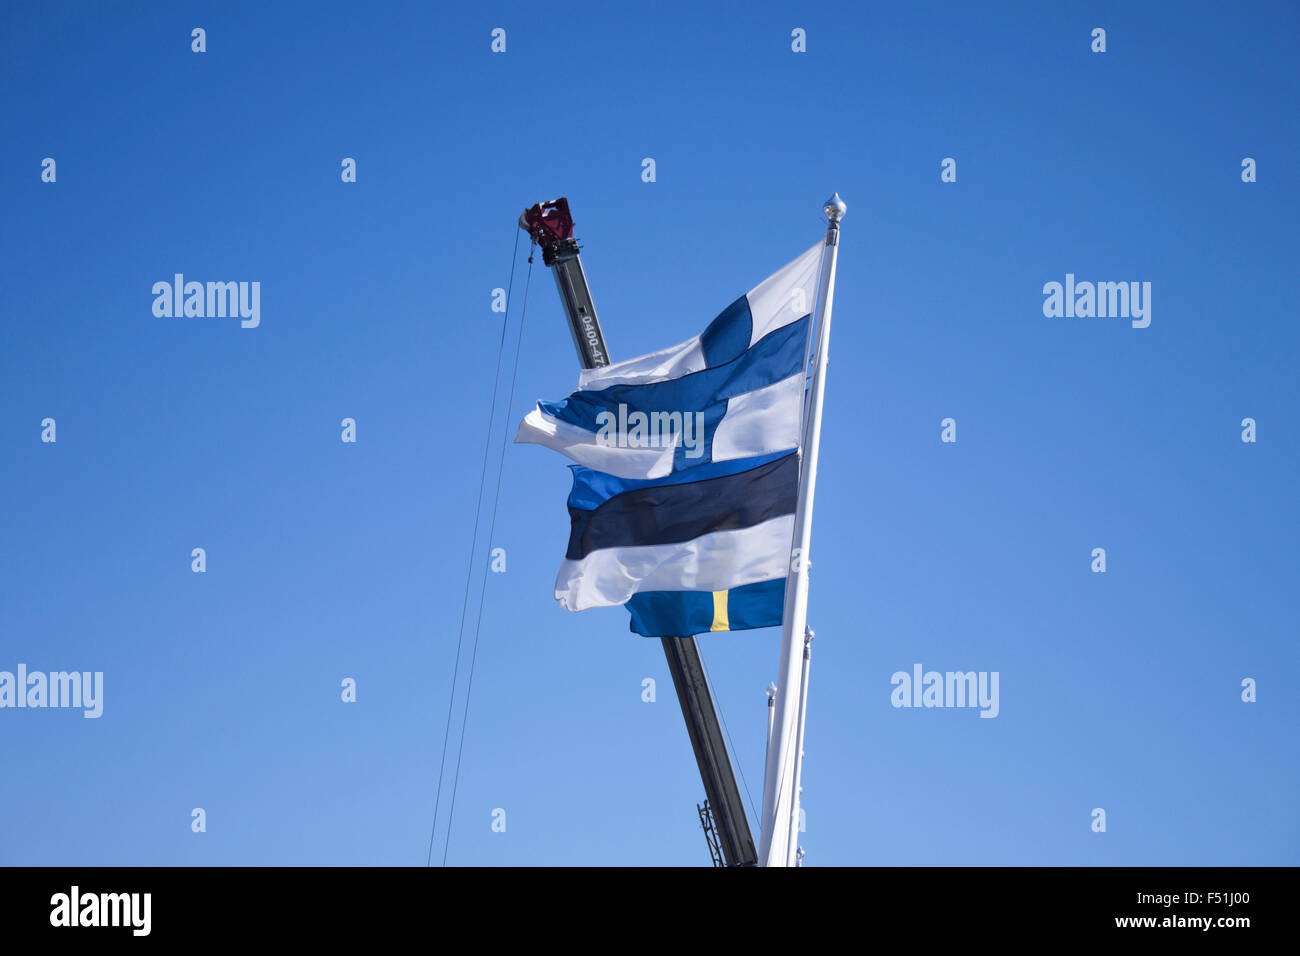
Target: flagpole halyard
x=781, y=776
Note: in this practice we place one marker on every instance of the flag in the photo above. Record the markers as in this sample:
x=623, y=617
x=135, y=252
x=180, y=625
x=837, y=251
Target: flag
x=715, y=527
x=734, y=392
x=686, y=613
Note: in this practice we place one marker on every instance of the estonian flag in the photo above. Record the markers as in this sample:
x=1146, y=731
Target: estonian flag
x=710, y=528
x=742, y=381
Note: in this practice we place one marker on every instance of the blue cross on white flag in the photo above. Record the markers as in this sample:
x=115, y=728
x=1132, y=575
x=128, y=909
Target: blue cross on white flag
x=735, y=391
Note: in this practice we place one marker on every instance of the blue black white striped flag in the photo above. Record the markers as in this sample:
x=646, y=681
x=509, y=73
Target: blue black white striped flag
x=711, y=528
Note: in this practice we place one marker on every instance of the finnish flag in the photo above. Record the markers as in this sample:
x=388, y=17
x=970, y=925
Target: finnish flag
x=735, y=391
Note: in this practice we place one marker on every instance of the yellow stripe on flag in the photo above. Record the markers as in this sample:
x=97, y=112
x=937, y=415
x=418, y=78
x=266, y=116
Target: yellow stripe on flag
x=720, y=622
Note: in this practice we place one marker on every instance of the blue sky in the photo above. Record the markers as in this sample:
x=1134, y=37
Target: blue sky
x=328, y=560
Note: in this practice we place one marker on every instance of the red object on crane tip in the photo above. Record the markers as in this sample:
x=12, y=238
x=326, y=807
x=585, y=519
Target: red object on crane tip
x=548, y=222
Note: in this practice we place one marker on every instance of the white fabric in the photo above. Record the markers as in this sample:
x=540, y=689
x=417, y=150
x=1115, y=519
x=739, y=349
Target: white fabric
x=581, y=446
x=787, y=295
x=760, y=422
x=711, y=562
x=672, y=362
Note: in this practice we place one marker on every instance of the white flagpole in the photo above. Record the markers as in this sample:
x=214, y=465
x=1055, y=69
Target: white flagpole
x=780, y=778
x=798, y=745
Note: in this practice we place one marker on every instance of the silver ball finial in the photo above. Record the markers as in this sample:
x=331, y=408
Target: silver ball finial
x=771, y=691
x=835, y=208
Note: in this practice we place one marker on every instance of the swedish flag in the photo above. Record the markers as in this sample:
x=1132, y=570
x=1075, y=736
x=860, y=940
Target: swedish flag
x=686, y=613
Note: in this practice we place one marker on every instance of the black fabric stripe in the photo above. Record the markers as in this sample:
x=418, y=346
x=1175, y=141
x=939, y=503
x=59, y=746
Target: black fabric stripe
x=667, y=514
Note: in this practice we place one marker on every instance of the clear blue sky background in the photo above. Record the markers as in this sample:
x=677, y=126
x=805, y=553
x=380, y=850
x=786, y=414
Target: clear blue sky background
x=327, y=560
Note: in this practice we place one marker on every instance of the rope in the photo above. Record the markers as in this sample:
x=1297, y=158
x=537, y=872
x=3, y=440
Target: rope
x=473, y=545
x=735, y=755
x=469, y=687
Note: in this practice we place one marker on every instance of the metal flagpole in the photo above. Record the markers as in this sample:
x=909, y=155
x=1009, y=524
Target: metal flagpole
x=780, y=778
x=798, y=744
x=771, y=719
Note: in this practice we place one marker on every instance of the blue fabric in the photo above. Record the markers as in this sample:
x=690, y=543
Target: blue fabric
x=728, y=335
x=591, y=488
x=686, y=613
